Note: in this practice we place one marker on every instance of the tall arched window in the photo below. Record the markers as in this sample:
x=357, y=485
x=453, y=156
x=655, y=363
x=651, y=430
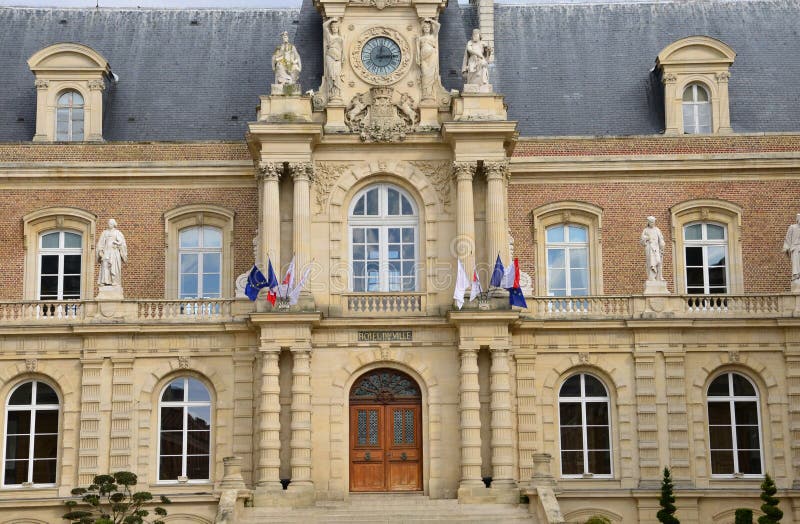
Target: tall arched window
x=585, y=428
x=567, y=260
x=696, y=110
x=734, y=426
x=184, y=444
x=60, y=254
x=200, y=262
x=383, y=240
x=31, y=435
x=69, y=116
x=706, y=249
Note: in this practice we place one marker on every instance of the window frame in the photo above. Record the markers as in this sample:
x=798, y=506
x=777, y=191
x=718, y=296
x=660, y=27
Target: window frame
x=567, y=247
x=199, y=251
x=61, y=252
x=583, y=400
x=731, y=399
x=383, y=222
x=70, y=115
x=704, y=244
x=695, y=105
x=184, y=454
x=32, y=407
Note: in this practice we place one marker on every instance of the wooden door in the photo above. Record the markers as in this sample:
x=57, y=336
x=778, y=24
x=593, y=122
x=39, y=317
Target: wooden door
x=385, y=434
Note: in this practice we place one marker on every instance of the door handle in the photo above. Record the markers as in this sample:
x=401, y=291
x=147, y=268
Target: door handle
x=367, y=456
x=403, y=456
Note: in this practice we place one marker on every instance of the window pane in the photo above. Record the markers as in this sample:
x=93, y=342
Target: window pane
x=49, y=265
x=393, y=251
x=747, y=437
x=693, y=232
x=50, y=240
x=555, y=258
x=46, y=421
x=359, y=284
x=77, y=124
x=212, y=237
x=394, y=201
x=373, y=253
x=704, y=117
x=45, y=394
x=22, y=395
x=197, y=442
x=597, y=437
x=578, y=258
x=597, y=413
x=578, y=279
x=714, y=232
x=688, y=119
x=600, y=462
x=688, y=94
x=72, y=240
x=72, y=286
x=716, y=277
x=694, y=256
x=173, y=392
x=742, y=386
x=577, y=234
x=572, y=387
x=199, y=417
x=211, y=285
x=189, y=263
x=359, y=254
x=171, y=442
x=719, y=413
x=72, y=264
x=745, y=412
x=750, y=462
x=557, y=278
x=62, y=124
x=408, y=252
x=569, y=413
x=197, y=391
x=44, y=471
x=373, y=235
x=171, y=418
x=721, y=462
x=18, y=422
x=190, y=237
x=188, y=286
x=197, y=467
x=65, y=99
x=45, y=446
x=358, y=235
x=16, y=471
x=555, y=233
x=721, y=437
x=211, y=262
x=394, y=234
x=701, y=94
x=358, y=209
x=716, y=255
x=17, y=446
x=571, y=437
x=719, y=387
x=408, y=209
x=169, y=468
x=372, y=202
x=408, y=234
x=572, y=462
x=694, y=277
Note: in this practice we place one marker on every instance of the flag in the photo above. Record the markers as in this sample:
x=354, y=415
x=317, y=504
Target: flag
x=272, y=284
x=255, y=282
x=497, y=273
x=515, y=295
x=508, y=275
x=476, y=286
x=287, y=285
x=294, y=294
x=462, y=283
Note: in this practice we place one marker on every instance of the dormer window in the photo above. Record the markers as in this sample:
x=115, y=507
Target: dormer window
x=69, y=117
x=696, y=110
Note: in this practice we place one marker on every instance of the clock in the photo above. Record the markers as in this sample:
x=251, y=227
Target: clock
x=381, y=56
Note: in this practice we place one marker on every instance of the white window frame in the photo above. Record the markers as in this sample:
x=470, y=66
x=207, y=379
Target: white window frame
x=704, y=243
x=731, y=399
x=567, y=246
x=61, y=252
x=383, y=222
x=583, y=400
x=32, y=408
x=695, y=124
x=184, y=405
x=200, y=251
x=71, y=107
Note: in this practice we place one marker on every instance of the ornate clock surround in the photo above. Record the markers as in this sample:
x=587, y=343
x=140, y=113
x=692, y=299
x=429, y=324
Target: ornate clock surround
x=374, y=79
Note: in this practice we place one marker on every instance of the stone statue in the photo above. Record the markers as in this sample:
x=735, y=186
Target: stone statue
x=475, y=67
x=653, y=242
x=286, y=65
x=112, y=251
x=357, y=111
x=407, y=110
x=791, y=246
x=334, y=57
x=428, y=58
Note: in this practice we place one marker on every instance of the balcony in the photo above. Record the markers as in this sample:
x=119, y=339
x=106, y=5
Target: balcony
x=383, y=304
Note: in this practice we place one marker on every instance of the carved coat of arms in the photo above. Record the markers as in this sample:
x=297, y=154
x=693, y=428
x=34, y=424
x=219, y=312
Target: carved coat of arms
x=376, y=117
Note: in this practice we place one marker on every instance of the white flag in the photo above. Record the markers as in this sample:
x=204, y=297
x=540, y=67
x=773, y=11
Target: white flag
x=508, y=275
x=294, y=294
x=462, y=283
x=287, y=284
x=476, y=286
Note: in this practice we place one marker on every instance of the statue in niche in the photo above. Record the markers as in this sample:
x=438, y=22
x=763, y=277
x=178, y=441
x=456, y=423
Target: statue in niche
x=112, y=251
x=653, y=242
x=334, y=57
x=428, y=58
x=475, y=67
x=286, y=65
x=791, y=246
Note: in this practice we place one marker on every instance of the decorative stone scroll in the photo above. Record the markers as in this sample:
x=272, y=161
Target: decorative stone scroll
x=440, y=175
x=376, y=117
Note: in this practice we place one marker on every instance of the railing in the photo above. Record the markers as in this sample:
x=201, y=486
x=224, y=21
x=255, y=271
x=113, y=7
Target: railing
x=383, y=304
x=733, y=305
x=41, y=311
x=205, y=309
x=579, y=307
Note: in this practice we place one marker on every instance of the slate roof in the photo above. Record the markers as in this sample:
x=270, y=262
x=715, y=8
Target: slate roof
x=566, y=69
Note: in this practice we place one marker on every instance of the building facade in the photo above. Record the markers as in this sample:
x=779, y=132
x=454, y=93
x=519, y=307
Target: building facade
x=547, y=136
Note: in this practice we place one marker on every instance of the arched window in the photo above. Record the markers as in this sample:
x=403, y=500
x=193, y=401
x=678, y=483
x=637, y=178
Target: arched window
x=60, y=254
x=69, y=116
x=567, y=260
x=734, y=426
x=200, y=262
x=383, y=240
x=184, y=444
x=31, y=435
x=585, y=427
x=696, y=110
x=706, y=250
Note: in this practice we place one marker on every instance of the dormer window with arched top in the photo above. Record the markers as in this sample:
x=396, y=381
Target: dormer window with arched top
x=69, y=117
x=696, y=110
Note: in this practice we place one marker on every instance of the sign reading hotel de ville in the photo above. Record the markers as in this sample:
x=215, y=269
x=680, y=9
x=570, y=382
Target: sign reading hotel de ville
x=385, y=336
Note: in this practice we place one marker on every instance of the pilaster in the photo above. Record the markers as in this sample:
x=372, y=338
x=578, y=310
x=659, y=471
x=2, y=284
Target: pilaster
x=470, y=421
x=465, y=243
x=269, y=428
x=269, y=228
x=678, y=428
x=496, y=228
x=647, y=429
x=793, y=394
x=243, y=413
x=526, y=413
x=301, y=419
x=89, y=447
x=502, y=437
x=302, y=174
x=122, y=430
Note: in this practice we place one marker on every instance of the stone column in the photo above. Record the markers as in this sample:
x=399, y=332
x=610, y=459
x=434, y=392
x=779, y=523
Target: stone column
x=496, y=229
x=465, y=246
x=470, y=423
x=502, y=438
x=269, y=429
x=301, y=419
x=302, y=173
x=270, y=227
x=94, y=119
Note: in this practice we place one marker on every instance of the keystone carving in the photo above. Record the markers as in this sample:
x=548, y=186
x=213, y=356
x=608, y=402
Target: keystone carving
x=30, y=364
x=376, y=117
x=183, y=362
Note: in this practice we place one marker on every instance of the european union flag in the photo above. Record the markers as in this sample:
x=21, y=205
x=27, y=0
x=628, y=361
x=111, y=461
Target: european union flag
x=497, y=273
x=516, y=298
x=255, y=282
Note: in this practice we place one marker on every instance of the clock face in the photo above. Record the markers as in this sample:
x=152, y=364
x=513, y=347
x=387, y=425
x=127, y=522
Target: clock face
x=381, y=56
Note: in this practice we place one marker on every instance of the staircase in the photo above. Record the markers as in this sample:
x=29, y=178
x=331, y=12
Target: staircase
x=390, y=508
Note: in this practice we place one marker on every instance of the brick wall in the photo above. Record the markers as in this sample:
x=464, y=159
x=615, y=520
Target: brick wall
x=139, y=213
x=768, y=208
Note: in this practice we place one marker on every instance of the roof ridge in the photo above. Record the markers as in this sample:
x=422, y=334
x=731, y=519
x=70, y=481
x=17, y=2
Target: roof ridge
x=144, y=9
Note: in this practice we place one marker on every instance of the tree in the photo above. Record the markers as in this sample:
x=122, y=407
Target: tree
x=666, y=515
x=111, y=500
x=772, y=515
x=744, y=516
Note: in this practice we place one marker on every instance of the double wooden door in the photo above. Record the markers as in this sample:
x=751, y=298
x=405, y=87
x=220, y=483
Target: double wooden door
x=385, y=447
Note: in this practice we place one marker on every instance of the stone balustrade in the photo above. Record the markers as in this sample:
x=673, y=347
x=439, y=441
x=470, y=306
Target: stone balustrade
x=197, y=309
x=380, y=304
x=41, y=311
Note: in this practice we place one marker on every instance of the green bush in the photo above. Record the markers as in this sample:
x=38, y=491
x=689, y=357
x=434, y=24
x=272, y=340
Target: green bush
x=772, y=515
x=666, y=515
x=744, y=516
x=110, y=500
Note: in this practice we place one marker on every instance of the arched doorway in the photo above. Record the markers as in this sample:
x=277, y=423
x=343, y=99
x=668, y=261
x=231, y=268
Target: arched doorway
x=385, y=432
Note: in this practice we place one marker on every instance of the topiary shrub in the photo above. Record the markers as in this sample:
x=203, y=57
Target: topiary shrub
x=666, y=515
x=744, y=516
x=110, y=500
x=772, y=515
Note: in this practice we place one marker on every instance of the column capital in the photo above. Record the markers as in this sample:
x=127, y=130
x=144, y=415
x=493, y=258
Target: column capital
x=464, y=170
x=468, y=349
x=269, y=170
x=499, y=349
x=97, y=85
x=40, y=83
x=300, y=349
x=302, y=171
x=496, y=169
